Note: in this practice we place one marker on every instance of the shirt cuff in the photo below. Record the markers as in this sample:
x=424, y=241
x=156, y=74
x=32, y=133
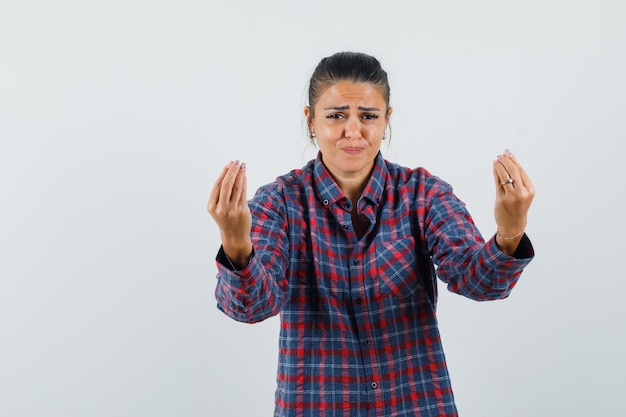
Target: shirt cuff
x=223, y=259
x=523, y=251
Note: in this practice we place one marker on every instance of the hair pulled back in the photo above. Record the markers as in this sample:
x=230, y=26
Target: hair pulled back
x=355, y=67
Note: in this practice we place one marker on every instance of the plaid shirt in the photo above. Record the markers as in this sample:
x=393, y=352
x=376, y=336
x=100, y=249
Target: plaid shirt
x=358, y=333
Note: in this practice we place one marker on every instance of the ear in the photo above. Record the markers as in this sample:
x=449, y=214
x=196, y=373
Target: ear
x=389, y=111
x=308, y=116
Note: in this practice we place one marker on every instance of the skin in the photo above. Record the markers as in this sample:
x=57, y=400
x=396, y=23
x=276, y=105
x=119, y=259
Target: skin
x=349, y=121
x=228, y=205
x=512, y=201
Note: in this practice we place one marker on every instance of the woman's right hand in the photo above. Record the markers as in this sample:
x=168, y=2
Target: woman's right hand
x=228, y=205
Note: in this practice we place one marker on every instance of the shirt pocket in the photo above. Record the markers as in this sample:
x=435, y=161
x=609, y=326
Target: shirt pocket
x=397, y=268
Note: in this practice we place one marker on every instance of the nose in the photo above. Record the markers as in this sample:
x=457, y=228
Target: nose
x=353, y=128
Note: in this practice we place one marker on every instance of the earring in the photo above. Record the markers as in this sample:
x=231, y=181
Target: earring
x=312, y=136
x=384, y=136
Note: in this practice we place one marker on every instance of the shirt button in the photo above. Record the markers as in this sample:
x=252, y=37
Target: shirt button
x=355, y=262
x=359, y=300
x=345, y=226
x=366, y=342
x=325, y=202
x=374, y=385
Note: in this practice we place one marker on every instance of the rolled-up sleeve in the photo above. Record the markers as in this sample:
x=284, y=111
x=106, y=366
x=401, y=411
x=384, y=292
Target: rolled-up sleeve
x=465, y=262
x=257, y=291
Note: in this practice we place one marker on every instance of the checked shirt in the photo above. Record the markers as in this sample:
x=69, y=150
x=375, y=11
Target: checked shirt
x=358, y=332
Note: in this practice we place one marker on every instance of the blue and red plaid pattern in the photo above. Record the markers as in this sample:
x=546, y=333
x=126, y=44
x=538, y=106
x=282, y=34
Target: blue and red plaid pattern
x=358, y=333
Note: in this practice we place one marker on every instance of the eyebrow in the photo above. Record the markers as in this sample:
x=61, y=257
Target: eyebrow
x=341, y=108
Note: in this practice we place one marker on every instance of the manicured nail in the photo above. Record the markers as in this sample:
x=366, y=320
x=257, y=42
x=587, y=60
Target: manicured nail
x=507, y=152
x=243, y=165
x=236, y=162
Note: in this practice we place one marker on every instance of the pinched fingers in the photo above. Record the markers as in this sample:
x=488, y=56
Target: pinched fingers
x=524, y=177
x=230, y=185
x=514, y=193
x=228, y=206
x=505, y=171
x=509, y=175
x=229, y=191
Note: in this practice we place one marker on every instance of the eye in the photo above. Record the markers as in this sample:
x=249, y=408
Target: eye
x=335, y=116
x=370, y=116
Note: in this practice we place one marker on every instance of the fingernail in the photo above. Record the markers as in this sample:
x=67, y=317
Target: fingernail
x=243, y=165
x=507, y=152
x=236, y=162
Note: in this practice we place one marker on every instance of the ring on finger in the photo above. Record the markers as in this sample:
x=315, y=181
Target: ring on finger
x=508, y=181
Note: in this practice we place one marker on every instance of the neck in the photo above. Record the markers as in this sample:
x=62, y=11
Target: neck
x=353, y=186
x=352, y=191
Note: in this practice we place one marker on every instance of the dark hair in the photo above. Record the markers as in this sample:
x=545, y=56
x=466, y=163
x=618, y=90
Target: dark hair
x=347, y=66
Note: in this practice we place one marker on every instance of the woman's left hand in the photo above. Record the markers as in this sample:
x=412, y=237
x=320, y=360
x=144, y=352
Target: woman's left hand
x=514, y=194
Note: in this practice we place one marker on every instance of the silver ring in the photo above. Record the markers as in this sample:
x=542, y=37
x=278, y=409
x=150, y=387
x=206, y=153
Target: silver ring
x=509, y=181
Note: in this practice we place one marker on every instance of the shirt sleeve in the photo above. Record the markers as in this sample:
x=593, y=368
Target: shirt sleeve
x=257, y=291
x=465, y=262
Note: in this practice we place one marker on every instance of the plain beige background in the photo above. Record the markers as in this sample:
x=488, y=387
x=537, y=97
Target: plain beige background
x=116, y=117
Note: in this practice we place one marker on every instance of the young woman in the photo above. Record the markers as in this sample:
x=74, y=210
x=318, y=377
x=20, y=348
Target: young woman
x=344, y=251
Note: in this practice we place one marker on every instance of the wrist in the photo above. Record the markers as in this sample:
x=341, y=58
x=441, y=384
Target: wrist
x=508, y=244
x=237, y=252
x=504, y=237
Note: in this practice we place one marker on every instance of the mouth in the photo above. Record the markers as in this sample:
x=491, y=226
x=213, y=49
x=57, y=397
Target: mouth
x=352, y=150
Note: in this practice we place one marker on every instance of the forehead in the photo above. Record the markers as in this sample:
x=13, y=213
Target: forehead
x=347, y=92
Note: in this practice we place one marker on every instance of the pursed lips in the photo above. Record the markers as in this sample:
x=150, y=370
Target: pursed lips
x=352, y=150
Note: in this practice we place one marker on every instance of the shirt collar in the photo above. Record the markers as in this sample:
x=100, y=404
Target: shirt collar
x=329, y=192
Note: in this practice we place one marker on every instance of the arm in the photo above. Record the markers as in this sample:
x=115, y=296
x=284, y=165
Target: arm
x=251, y=271
x=228, y=206
x=471, y=267
x=514, y=194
